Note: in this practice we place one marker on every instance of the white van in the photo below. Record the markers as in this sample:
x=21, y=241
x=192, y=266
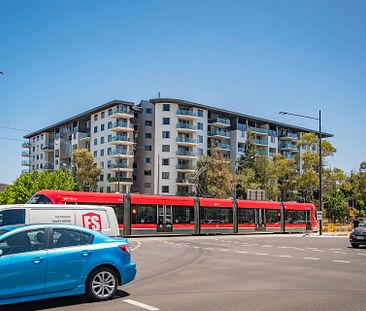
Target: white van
x=95, y=217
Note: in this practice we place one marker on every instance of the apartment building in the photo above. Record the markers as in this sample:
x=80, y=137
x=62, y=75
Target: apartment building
x=174, y=134
x=107, y=131
x=154, y=147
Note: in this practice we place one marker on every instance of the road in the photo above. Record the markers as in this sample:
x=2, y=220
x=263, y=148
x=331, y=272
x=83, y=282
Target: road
x=256, y=273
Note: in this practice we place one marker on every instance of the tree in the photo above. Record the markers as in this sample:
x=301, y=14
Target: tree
x=87, y=173
x=250, y=152
x=29, y=183
x=336, y=206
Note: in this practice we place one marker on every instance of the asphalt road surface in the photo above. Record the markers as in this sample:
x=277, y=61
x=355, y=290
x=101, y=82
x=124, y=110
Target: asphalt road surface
x=266, y=272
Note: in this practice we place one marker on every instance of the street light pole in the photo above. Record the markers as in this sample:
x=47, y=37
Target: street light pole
x=319, y=119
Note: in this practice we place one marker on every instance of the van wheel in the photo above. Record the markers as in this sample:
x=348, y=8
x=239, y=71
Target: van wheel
x=355, y=245
x=101, y=284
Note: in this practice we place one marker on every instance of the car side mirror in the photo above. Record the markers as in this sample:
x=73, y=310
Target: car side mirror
x=1, y=252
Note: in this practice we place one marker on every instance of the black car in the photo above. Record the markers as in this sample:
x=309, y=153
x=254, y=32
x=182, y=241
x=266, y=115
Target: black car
x=358, y=235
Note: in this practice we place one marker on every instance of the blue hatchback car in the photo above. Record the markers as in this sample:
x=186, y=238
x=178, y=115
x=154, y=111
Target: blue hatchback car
x=46, y=261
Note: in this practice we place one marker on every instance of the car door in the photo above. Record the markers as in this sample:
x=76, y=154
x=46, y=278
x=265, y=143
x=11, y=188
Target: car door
x=68, y=256
x=23, y=264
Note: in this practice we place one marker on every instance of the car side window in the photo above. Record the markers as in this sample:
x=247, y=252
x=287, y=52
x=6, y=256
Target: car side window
x=22, y=242
x=69, y=237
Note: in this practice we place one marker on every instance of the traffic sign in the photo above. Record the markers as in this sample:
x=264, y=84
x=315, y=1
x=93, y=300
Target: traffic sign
x=319, y=215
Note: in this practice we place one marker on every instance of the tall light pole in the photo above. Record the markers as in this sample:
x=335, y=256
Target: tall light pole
x=319, y=119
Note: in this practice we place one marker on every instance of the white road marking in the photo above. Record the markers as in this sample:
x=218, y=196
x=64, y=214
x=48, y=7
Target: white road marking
x=196, y=246
x=223, y=244
x=178, y=244
x=317, y=250
x=141, y=305
x=361, y=254
x=311, y=258
x=209, y=248
x=290, y=247
x=223, y=250
x=244, y=252
x=136, y=247
x=285, y=256
x=255, y=244
x=341, y=261
x=314, y=248
x=336, y=249
x=266, y=246
x=261, y=254
x=338, y=252
x=185, y=245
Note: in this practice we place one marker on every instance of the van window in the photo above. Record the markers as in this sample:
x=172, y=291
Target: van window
x=12, y=217
x=39, y=199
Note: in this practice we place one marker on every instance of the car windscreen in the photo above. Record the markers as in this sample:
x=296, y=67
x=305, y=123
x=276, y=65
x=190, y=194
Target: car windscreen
x=39, y=199
x=12, y=217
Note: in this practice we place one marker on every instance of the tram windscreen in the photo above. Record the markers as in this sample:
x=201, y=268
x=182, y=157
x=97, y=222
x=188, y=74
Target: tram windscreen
x=39, y=199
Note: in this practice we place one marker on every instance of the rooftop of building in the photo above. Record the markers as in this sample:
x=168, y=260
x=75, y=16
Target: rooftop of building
x=228, y=113
x=79, y=116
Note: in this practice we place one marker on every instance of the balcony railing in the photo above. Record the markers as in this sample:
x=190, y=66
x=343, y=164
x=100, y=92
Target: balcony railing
x=272, y=133
x=186, y=194
x=121, y=152
x=258, y=130
x=120, y=179
x=123, y=111
x=190, y=113
x=285, y=145
x=119, y=166
x=186, y=126
x=48, y=147
x=187, y=153
x=84, y=135
x=48, y=166
x=25, y=163
x=183, y=180
x=289, y=135
x=122, y=124
x=242, y=127
x=219, y=120
x=241, y=150
x=260, y=141
x=26, y=154
x=184, y=167
x=190, y=140
x=122, y=138
x=220, y=145
x=218, y=132
x=26, y=144
x=262, y=152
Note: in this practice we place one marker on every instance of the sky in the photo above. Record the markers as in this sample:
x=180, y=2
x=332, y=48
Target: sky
x=257, y=57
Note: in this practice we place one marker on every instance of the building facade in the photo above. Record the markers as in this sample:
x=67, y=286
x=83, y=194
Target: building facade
x=154, y=147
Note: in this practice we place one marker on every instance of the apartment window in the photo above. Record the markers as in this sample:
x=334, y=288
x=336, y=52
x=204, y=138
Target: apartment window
x=102, y=127
x=147, y=172
x=165, y=161
x=41, y=165
x=166, y=148
x=34, y=158
x=148, y=135
x=200, y=125
x=165, y=189
x=95, y=154
x=110, y=112
x=109, y=125
x=200, y=113
x=134, y=165
x=148, y=110
x=95, y=129
x=200, y=152
x=95, y=141
x=109, y=138
x=42, y=137
x=102, y=140
x=147, y=185
x=166, y=121
x=147, y=160
x=200, y=139
x=273, y=139
x=101, y=152
x=37, y=138
x=165, y=175
x=34, y=148
x=147, y=148
x=108, y=189
x=37, y=157
x=101, y=165
x=102, y=115
x=37, y=166
x=166, y=107
x=96, y=117
x=101, y=189
x=166, y=134
x=148, y=123
x=109, y=151
x=41, y=156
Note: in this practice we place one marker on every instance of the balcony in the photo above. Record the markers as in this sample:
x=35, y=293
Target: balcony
x=186, y=114
x=26, y=154
x=259, y=130
x=220, y=133
x=184, y=167
x=186, y=127
x=25, y=171
x=186, y=154
x=220, y=122
x=189, y=141
x=117, y=153
x=122, y=140
x=121, y=180
x=26, y=144
x=241, y=150
x=25, y=163
x=48, y=147
x=288, y=136
x=262, y=152
x=184, y=181
x=260, y=142
x=185, y=193
x=288, y=155
x=123, y=167
x=220, y=146
x=242, y=127
x=122, y=126
x=288, y=146
x=272, y=133
x=85, y=136
x=48, y=167
x=122, y=113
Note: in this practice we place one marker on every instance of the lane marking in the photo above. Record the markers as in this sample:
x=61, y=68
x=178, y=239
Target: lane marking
x=314, y=248
x=341, y=261
x=311, y=258
x=223, y=250
x=141, y=305
x=261, y=254
x=209, y=248
x=362, y=254
x=196, y=246
x=317, y=250
x=338, y=252
x=336, y=249
x=244, y=252
x=285, y=256
x=136, y=247
x=266, y=246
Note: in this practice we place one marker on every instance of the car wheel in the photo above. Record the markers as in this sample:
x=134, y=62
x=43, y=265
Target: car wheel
x=101, y=284
x=355, y=245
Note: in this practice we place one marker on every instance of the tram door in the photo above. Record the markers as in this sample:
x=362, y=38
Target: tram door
x=308, y=220
x=260, y=219
x=164, y=218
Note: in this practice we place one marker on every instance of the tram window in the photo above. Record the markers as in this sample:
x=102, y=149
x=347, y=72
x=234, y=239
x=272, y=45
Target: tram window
x=212, y=215
x=183, y=215
x=246, y=216
x=273, y=216
x=119, y=213
x=295, y=217
x=145, y=214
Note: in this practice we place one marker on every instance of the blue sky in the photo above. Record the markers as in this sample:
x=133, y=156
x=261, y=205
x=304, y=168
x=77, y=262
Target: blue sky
x=258, y=57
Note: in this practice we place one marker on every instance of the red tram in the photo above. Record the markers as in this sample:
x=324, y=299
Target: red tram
x=152, y=214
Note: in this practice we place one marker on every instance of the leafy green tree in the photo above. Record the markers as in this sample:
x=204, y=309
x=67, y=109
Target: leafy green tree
x=29, y=183
x=250, y=152
x=86, y=173
x=336, y=206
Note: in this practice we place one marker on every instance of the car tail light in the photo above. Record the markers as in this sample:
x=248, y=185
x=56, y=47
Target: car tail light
x=124, y=248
